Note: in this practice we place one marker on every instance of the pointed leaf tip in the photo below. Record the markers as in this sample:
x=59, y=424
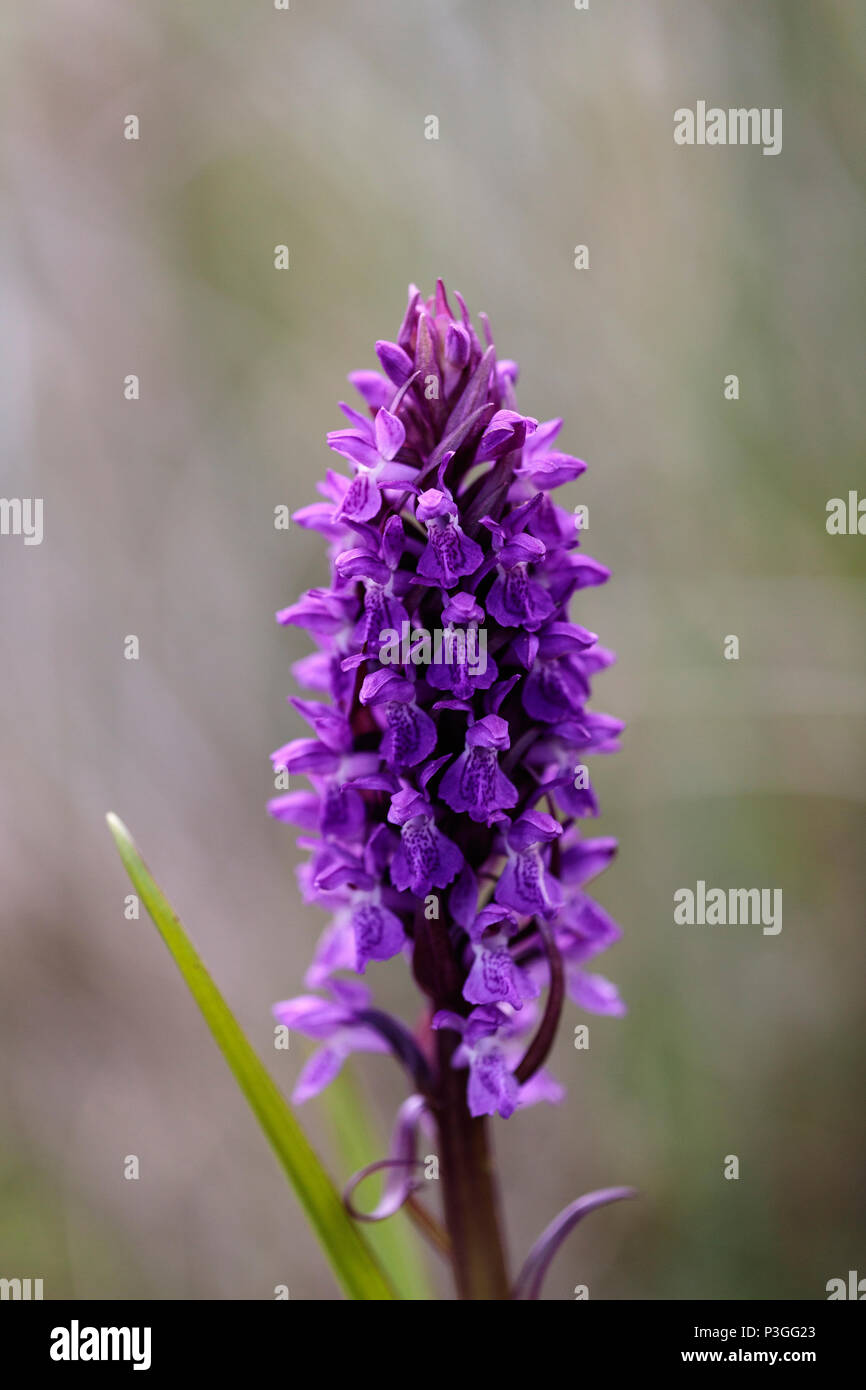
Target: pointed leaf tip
x=530, y=1279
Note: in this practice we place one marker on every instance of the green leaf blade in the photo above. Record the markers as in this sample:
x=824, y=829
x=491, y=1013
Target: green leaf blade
x=351, y=1259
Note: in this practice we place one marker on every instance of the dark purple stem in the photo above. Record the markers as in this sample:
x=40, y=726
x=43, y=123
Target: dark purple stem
x=536, y=1053
x=402, y=1044
x=469, y=1191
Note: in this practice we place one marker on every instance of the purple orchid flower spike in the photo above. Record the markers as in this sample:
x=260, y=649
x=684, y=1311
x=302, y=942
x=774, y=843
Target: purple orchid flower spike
x=445, y=760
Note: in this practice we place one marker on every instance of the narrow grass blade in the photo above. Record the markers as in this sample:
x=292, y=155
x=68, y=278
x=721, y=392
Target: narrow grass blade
x=351, y=1258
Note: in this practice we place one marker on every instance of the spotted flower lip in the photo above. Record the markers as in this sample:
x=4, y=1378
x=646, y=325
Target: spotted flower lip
x=425, y=858
x=443, y=813
x=495, y=977
x=475, y=783
x=449, y=553
x=492, y=1088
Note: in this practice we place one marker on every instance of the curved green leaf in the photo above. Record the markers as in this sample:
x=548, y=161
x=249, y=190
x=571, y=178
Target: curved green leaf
x=348, y=1252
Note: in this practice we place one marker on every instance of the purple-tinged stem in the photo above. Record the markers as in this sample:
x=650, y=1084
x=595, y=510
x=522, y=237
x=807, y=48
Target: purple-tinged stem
x=469, y=1190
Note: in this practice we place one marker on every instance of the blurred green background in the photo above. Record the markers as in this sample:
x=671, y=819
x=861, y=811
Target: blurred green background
x=155, y=257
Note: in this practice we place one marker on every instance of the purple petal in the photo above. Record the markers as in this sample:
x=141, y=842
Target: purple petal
x=317, y=1073
x=584, y=860
x=390, y=434
x=411, y=735
x=594, y=993
x=492, y=1088
x=396, y=363
x=516, y=600
x=379, y=934
x=402, y=1166
x=531, y=1277
x=363, y=499
x=373, y=387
